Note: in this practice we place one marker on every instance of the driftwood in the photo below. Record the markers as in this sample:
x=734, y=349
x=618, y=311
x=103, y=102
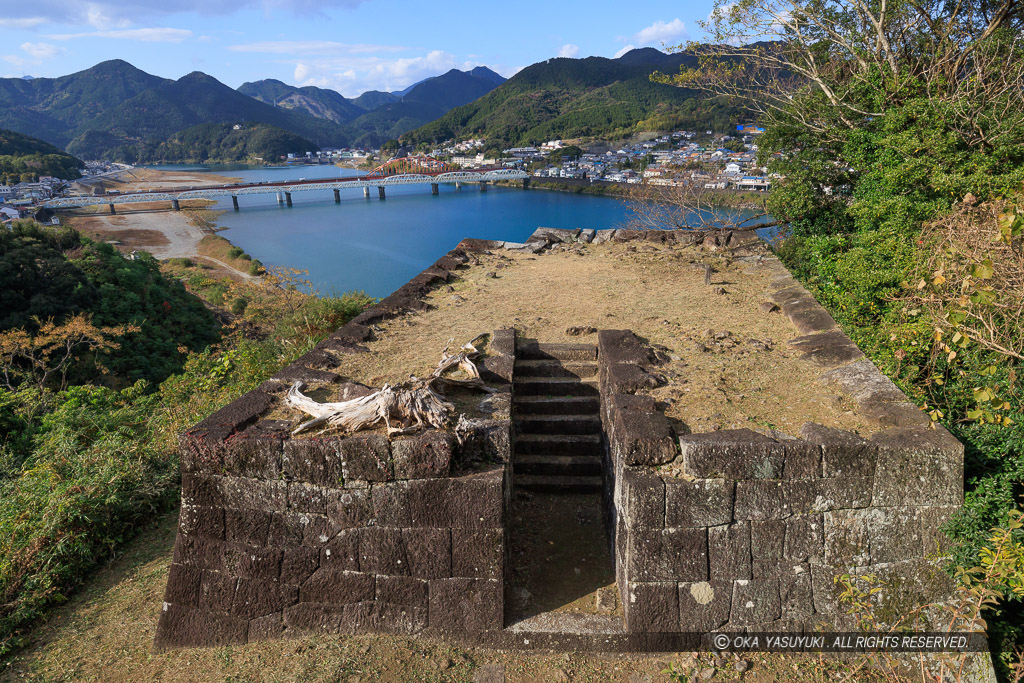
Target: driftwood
x=411, y=405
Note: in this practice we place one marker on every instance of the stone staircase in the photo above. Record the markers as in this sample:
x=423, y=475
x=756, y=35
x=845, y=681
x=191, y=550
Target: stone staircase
x=556, y=416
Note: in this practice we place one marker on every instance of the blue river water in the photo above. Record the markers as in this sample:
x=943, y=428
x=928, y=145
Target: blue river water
x=377, y=246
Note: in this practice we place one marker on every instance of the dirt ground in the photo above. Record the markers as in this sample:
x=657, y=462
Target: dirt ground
x=106, y=631
x=149, y=179
x=748, y=378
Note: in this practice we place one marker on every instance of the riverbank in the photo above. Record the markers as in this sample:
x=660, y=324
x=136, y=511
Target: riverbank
x=738, y=199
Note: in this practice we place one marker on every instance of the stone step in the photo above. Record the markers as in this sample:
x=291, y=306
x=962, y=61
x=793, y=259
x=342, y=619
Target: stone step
x=558, y=424
x=558, y=444
x=554, y=386
x=544, y=482
x=533, y=350
x=557, y=405
x=554, y=368
x=558, y=465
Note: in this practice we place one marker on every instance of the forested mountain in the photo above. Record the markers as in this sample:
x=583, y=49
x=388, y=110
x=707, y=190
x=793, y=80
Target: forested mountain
x=114, y=106
x=574, y=98
x=23, y=158
x=221, y=142
x=318, y=102
x=371, y=99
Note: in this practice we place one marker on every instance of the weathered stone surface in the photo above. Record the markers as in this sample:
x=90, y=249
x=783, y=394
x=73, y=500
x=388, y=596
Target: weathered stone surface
x=402, y=590
x=768, y=499
x=242, y=492
x=935, y=542
x=391, y=505
x=256, y=452
x=503, y=341
x=496, y=369
x=642, y=499
x=486, y=441
x=667, y=555
x=205, y=553
x=871, y=536
x=835, y=493
x=587, y=235
x=643, y=438
x=308, y=617
x=626, y=378
x=617, y=347
x=337, y=587
x=862, y=381
x=652, y=607
x=201, y=520
x=603, y=236
x=202, y=490
x=829, y=349
x=286, y=529
x=304, y=497
x=366, y=458
x=182, y=626
x=382, y=551
x=261, y=563
x=247, y=526
x=704, y=605
x=429, y=552
x=254, y=598
x=422, y=457
x=350, y=508
x=266, y=628
x=478, y=553
x=895, y=413
x=216, y=591
x=183, y=585
x=729, y=550
x=699, y=502
x=315, y=461
x=298, y=564
x=732, y=453
x=802, y=459
x=755, y=602
x=767, y=539
x=844, y=454
x=461, y=604
x=805, y=539
x=795, y=595
x=918, y=466
x=341, y=553
x=807, y=315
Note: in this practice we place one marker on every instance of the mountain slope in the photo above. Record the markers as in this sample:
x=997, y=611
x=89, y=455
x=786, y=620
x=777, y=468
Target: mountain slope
x=579, y=98
x=26, y=158
x=318, y=102
x=371, y=99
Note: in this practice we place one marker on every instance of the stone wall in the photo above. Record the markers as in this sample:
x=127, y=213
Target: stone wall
x=753, y=532
x=281, y=535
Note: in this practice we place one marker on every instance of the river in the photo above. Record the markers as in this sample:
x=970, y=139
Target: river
x=377, y=246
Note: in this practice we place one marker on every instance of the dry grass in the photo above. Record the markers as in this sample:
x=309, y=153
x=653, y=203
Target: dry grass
x=656, y=291
x=105, y=634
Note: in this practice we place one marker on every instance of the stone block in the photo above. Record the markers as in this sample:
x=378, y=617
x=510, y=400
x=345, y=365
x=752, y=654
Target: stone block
x=308, y=617
x=382, y=551
x=428, y=502
x=286, y=529
x=703, y=605
x=626, y=378
x=667, y=555
x=643, y=438
x=196, y=551
x=652, y=607
x=698, y=502
x=402, y=590
x=247, y=526
x=298, y=564
x=314, y=461
x=182, y=626
x=872, y=536
x=768, y=499
x=496, y=369
x=918, y=466
x=755, y=603
x=487, y=440
x=767, y=539
x=259, y=598
x=643, y=498
x=828, y=349
x=795, y=596
x=733, y=454
x=466, y=605
x=252, y=562
x=603, y=236
x=253, y=454
x=805, y=539
x=476, y=501
x=935, y=542
x=863, y=382
x=216, y=591
x=844, y=454
x=426, y=456
x=202, y=490
x=478, y=553
x=621, y=346
x=183, y=585
x=837, y=493
x=336, y=587
x=802, y=460
x=317, y=529
x=266, y=628
x=201, y=520
x=366, y=458
x=503, y=341
x=349, y=508
x=341, y=553
x=241, y=492
x=729, y=551
x=429, y=552
x=304, y=497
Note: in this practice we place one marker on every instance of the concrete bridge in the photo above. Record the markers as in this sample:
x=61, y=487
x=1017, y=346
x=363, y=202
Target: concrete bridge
x=404, y=171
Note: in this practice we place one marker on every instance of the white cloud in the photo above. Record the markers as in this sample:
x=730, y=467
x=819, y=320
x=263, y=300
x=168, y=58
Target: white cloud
x=106, y=14
x=21, y=22
x=569, y=50
x=312, y=47
x=41, y=50
x=624, y=51
x=662, y=32
x=146, y=35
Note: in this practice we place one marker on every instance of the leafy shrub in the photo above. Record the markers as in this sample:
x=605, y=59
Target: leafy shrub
x=238, y=306
x=235, y=252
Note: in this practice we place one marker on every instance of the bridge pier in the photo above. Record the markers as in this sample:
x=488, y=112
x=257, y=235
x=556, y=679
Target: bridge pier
x=112, y=209
x=526, y=183
x=337, y=196
x=433, y=188
x=380, y=191
x=234, y=202
x=175, y=205
x=288, y=198
x=483, y=186
x=458, y=186
x=280, y=198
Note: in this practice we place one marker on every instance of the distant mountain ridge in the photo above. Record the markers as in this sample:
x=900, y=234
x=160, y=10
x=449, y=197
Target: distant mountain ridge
x=580, y=98
x=26, y=158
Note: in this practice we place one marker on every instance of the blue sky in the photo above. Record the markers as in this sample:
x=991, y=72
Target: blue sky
x=348, y=45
